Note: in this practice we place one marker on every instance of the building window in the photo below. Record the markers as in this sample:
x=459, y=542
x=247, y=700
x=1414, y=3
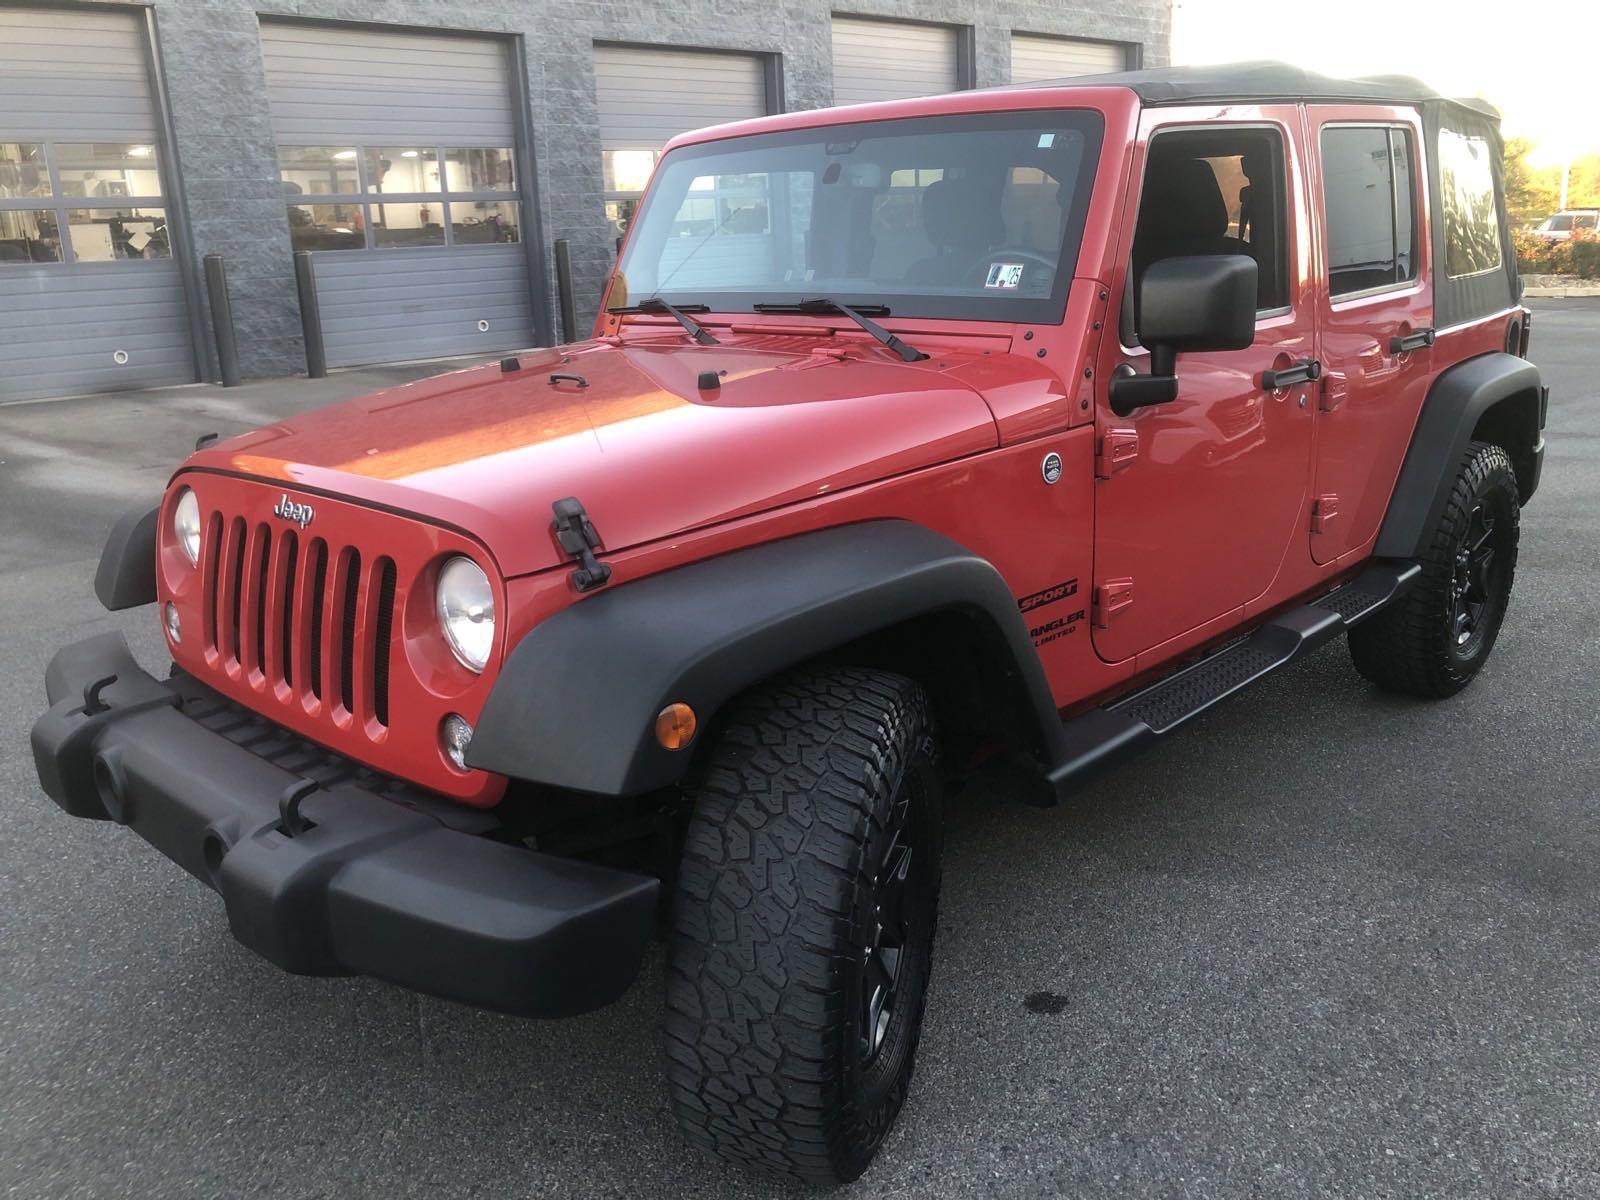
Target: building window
x=1369, y=201
x=623, y=175
x=66, y=202
x=399, y=196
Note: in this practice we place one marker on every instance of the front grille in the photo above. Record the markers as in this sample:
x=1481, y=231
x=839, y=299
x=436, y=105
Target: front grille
x=288, y=613
x=326, y=629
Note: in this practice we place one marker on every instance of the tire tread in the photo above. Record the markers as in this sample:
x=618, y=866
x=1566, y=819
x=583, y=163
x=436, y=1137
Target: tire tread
x=776, y=848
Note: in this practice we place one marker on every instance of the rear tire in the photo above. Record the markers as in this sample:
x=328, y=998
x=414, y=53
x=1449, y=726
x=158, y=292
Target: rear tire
x=1436, y=638
x=802, y=927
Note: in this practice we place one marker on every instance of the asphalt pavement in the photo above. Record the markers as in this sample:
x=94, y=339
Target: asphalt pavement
x=1324, y=943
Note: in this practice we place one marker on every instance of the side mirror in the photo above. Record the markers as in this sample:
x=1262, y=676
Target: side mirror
x=1204, y=302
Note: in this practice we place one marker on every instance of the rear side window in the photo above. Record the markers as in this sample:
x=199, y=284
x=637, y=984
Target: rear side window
x=1370, y=201
x=1471, y=221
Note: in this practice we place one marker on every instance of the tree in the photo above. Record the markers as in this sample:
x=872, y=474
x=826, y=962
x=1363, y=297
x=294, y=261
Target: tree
x=1531, y=193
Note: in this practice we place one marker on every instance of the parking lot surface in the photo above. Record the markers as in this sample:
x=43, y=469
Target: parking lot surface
x=1325, y=942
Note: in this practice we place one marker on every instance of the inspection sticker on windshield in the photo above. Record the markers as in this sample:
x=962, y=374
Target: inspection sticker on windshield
x=1004, y=275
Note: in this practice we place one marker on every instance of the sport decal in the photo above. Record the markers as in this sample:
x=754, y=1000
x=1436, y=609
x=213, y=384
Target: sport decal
x=1050, y=595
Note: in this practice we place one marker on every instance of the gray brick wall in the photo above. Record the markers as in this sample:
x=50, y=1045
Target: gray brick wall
x=227, y=162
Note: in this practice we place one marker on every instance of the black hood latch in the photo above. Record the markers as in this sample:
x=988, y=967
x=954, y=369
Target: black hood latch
x=575, y=532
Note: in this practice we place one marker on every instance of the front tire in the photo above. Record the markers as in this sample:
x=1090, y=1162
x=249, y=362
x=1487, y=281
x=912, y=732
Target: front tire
x=1437, y=637
x=803, y=922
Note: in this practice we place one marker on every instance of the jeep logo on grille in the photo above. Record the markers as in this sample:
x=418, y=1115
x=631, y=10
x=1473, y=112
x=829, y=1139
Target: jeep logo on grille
x=301, y=514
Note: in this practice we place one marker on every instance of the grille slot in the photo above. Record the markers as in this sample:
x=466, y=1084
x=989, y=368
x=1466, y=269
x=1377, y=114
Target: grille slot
x=382, y=636
x=319, y=583
x=351, y=586
x=261, y=601
x=285, y=599
x=234, y=584
x=210, y=559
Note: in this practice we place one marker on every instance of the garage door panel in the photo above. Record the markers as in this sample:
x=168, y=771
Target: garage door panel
x=430, y=304
x=1035, y=57
x=368, y=83
x=58, y=66
x=647, y=97
x=74, y=75
x=63, y=341
x=891, y=60
x=59, y=292
x=334, y=86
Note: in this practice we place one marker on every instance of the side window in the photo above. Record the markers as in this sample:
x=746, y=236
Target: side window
x=1471, y=219
x=1218, y=190
x=1368, y=195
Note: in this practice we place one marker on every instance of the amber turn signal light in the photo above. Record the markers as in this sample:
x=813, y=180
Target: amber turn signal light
x=675, y=726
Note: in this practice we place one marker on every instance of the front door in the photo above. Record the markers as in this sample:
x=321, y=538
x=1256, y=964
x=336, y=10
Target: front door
x=1376, y=317
x=1199, y=501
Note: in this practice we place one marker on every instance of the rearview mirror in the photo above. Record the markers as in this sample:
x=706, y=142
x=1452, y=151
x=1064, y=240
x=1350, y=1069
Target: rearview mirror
x=1203, y=302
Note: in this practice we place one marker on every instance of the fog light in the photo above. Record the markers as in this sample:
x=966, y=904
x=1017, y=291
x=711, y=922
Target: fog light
x=456, y=735
x=174, y=626
x=675, y=725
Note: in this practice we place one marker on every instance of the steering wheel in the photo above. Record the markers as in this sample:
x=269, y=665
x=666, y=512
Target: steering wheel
x=1010, y=253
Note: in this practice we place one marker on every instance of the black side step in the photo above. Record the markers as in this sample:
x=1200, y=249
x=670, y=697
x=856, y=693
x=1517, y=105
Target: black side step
x=1103, y=737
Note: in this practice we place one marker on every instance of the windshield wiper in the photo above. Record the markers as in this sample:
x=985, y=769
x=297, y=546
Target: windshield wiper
x=655, y=304
x=823, y=304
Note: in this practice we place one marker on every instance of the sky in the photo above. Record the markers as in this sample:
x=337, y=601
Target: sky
x=1534, y=59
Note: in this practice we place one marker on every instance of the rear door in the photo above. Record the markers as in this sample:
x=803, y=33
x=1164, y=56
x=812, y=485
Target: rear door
x=1199, y=501
x=1374, y=300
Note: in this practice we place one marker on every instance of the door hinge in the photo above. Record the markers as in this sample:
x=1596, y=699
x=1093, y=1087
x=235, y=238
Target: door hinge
x=1323, y=510
x=1118, y=449
x=577, y=538
x=1110, y=598
x=1333, y=391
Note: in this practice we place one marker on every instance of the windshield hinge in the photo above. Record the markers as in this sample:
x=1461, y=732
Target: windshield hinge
x=577, y=538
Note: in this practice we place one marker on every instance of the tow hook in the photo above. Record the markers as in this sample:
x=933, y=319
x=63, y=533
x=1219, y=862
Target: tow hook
x=290, y=822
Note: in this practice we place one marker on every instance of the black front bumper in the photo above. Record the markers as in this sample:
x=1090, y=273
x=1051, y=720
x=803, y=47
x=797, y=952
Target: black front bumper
x=379, y=880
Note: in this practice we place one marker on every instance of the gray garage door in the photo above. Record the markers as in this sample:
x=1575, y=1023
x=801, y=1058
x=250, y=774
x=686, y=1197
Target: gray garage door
x=90, y=296
x=647, y=96
x=400, y=166
x=890, y=60
x=1034, y=57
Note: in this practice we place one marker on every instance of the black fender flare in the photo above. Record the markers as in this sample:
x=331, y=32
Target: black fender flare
x=1458, y=400
x=575, y=703
x=126, y=576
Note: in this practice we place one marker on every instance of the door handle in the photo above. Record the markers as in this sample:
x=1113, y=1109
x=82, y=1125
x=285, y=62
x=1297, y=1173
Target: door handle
x=1307, y=370
x=1402, y=342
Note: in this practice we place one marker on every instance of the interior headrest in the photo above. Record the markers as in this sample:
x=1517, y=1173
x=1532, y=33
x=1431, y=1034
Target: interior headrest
x=956, y=216
x=1182, y=200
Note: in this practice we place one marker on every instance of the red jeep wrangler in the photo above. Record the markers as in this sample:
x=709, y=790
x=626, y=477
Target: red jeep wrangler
x=1003, y=430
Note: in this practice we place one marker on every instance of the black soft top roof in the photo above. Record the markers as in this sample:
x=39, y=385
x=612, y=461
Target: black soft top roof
x=1269, y=81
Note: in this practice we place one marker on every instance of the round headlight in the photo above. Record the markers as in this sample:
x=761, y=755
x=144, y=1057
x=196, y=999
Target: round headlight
x=186, y=524
x=466, y=611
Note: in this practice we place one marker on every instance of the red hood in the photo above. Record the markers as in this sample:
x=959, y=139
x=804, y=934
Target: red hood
x=646, y=450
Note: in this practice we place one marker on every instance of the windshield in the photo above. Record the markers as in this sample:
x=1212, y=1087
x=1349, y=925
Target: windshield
x=972, y=216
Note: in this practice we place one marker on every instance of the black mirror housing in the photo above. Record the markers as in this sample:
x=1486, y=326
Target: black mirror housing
x=1198, y=302
x=1203, y=302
